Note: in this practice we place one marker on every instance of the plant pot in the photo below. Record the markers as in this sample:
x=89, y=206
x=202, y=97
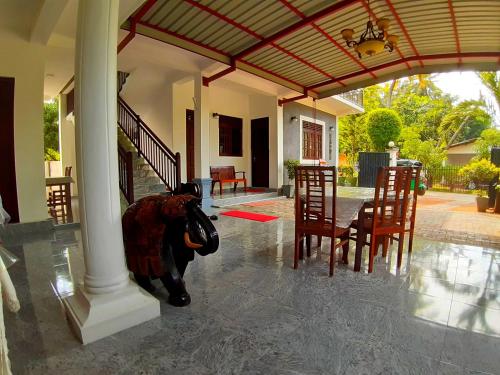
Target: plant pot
x=420, y=191
x=288, y=190
x=482, y=203
x=497, y=202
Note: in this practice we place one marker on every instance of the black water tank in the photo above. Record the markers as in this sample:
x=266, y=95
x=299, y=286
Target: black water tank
x=369, y=163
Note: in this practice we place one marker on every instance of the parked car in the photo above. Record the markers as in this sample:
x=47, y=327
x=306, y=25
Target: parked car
x=422, y=187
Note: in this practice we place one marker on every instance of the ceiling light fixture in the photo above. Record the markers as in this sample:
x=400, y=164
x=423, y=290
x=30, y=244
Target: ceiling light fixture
x=371, y=42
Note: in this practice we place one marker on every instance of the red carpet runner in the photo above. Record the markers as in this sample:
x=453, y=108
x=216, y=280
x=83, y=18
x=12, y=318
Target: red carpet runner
x=249, y=216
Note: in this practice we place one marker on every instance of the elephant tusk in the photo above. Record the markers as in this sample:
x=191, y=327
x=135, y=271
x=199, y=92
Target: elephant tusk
x=190, y=244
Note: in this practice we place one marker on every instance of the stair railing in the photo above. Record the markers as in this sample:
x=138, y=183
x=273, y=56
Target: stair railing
x=164, y=162
x=126, y=173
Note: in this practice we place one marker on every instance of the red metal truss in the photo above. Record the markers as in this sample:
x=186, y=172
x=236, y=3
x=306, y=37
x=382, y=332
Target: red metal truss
x=284, y=101
x=455, y=29
x=133, y=23
x=296, y=26
x=409, y=59
x=207, y=80
x=255, y=35
x=403, y=29
x=373, y=16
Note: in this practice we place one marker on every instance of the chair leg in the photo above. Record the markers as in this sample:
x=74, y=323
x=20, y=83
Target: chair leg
x=308, y=245
x=296, y=251
x=373, y=247
x=301, y=248
x=400, y=248
x=332, y=256
x=410, y=238
x=385, y=245
x=212, y=189
x=245, y=184
x=345, y=248
x=235, y=186
x=220, y=187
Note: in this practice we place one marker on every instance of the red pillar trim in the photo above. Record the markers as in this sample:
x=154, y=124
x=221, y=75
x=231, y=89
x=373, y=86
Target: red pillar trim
x=455, y=29
x=409, y=59
x=283, y=101
x=256, y=35
x=403, y=29
x=206, y=80
x=296, y=26
x=372, y=15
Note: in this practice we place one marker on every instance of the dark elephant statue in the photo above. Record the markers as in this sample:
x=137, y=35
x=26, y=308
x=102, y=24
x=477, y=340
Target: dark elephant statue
x=161, y=234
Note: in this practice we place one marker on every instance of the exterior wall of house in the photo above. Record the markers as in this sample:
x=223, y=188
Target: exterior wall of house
x=67, y=142
x=292, y=135
x=182, y=95
x=230, y=103
x=25, y=62
x=459, y=159
x=147, y=93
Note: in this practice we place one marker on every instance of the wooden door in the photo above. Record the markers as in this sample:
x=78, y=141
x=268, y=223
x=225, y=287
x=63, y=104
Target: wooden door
x=8, y=188
x=190, y=144
x=260, y=152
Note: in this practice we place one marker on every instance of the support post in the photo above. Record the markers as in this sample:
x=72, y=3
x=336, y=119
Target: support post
x=108, y=301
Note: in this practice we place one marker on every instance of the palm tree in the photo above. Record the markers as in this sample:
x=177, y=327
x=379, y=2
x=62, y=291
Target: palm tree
x=492, y=82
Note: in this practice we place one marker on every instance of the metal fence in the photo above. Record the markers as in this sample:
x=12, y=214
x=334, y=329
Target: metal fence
x=447, y=179
x=354, y=96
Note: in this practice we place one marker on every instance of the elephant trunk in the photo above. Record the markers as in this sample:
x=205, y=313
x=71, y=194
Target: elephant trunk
x=202, y=230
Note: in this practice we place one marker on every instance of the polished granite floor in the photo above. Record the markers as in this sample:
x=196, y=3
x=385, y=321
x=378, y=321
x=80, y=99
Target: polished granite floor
x=251, y=313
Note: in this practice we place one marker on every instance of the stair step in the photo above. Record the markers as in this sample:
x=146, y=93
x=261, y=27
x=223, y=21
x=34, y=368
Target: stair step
x=148, y=180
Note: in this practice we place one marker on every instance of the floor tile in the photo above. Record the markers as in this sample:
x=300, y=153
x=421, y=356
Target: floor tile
x=474, y=318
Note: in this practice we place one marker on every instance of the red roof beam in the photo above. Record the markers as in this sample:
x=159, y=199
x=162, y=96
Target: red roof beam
x=207, y=80
x=133, y=23
x=297, y=26
x=410, y=59
x=372, y=15
x=403, y=29
x=284, y=101
x=455, y=30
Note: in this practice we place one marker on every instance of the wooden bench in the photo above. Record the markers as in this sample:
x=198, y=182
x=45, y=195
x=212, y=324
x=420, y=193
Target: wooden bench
x=226, y=174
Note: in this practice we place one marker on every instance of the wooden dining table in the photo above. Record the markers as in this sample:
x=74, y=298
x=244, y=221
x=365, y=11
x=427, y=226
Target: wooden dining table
x=350, y=205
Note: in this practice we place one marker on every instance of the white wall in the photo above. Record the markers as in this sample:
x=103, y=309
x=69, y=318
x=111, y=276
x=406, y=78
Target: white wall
x=146, y=91
x=235, y=104
x=25, y=62
x=182, y=99
x=67, y=143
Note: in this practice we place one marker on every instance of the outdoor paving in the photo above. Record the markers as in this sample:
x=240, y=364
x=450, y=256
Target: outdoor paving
x=251, y=313
x=440, y=216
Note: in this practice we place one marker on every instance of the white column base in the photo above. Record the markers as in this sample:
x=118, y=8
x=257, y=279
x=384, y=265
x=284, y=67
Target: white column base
x=95, y=316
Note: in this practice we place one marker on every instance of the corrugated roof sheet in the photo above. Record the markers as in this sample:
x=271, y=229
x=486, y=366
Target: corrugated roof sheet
x=434, y=35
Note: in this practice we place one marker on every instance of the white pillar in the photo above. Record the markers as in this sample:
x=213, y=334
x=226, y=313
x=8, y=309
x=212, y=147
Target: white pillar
x=201, y=129
x=202, y=141
x=108, y=301
x=279, y=135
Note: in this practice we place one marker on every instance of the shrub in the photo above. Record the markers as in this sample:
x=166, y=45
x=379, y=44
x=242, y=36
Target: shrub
x=51, y=155
x=384, y=125
x=290, y=165
x=480, y=172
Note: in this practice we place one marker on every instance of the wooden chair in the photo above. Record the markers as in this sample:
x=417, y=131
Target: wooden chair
x=315, y=211
x=388, y=215
x=59, y=200
x=226, y=174
x=412, y=211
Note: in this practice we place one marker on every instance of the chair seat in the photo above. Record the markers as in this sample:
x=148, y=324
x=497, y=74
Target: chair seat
x=321, y=228
x=368, y=222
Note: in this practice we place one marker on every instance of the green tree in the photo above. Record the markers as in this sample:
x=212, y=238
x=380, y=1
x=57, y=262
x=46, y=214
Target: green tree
x=488, y=139
x=384, y=125
x=51, y=130
x=465, y=121
x=492, y=82
x=412, y=147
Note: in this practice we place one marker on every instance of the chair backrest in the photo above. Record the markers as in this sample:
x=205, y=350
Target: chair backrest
x=315, y=188
x=67, y=171
x=412, y=207
x=392, y=193
x=223, y=173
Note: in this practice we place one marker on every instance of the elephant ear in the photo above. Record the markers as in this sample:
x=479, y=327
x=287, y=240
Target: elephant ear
x=197, y=216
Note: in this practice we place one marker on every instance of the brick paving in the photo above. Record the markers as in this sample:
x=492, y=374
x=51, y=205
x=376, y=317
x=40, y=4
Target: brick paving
x=440, y=216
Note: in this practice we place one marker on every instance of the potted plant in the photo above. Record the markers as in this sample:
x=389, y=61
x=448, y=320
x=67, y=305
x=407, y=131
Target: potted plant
x=290, y=165
x=480, y=174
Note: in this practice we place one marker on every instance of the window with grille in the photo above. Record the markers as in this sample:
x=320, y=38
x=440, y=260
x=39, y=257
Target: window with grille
x=230, y=136
x=312, y=140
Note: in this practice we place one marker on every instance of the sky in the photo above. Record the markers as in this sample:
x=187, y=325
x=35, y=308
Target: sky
x=465, y=85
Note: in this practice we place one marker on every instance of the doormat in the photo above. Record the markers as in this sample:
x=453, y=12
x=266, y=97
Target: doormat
x=249, y=216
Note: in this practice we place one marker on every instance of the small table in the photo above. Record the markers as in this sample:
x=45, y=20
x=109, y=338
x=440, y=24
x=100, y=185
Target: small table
x=64, y=183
